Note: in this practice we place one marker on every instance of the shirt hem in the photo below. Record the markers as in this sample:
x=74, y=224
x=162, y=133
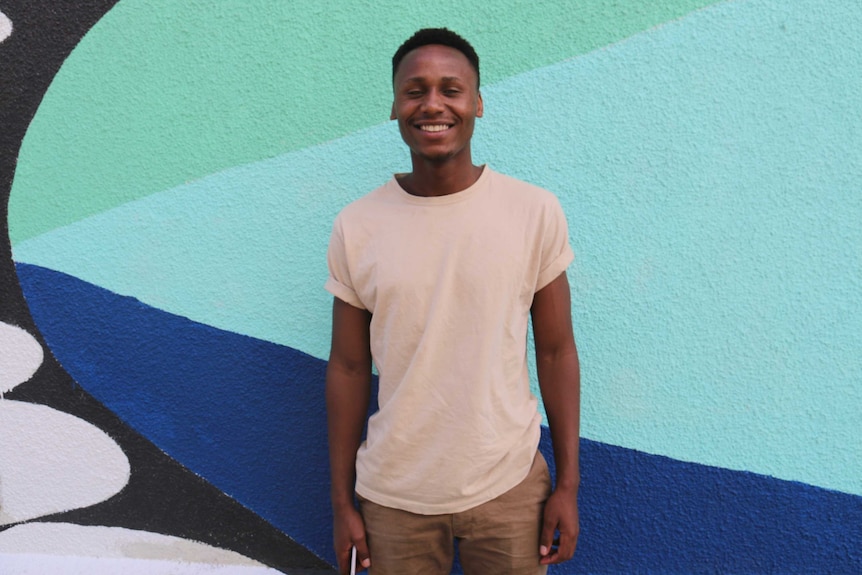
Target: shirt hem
x=343, y=293
x=555, y=268
x=444, y=508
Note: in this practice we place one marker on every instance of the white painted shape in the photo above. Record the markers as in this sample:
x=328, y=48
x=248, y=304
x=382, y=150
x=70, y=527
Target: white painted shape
x=51, y=461
x=20, y=353
x=62, y=548
x=28, y=564
x=5, y=26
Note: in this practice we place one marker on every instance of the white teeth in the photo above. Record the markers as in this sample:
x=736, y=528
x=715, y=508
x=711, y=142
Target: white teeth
x=435, y=128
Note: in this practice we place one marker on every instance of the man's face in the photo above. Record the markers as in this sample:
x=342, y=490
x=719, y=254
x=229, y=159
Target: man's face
x=436, y=102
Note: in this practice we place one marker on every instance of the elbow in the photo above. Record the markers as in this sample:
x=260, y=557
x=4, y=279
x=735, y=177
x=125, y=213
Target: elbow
x=564, y=351
x=351, y=368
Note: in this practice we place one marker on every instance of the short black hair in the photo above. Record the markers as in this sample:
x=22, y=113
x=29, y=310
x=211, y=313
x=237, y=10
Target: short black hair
x=441, y=36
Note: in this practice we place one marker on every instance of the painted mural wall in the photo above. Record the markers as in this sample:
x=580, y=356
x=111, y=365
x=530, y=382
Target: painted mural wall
x=169, y=174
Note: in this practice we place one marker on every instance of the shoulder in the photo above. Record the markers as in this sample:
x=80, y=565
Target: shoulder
x=368, y=204
x=521, y=192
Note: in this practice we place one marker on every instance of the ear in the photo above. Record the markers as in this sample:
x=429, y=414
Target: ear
x=480, y=107
x=392, y=115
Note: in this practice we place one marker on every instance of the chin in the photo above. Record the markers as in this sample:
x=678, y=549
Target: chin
x=437, y=156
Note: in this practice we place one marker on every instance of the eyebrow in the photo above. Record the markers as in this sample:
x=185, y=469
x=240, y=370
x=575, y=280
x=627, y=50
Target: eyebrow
x=444, y=79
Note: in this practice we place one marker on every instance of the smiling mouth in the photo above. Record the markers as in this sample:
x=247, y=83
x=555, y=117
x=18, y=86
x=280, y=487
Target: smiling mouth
x=435, y=127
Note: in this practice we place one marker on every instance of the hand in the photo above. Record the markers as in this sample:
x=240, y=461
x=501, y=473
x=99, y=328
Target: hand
x=349, y=531
x=561, y=514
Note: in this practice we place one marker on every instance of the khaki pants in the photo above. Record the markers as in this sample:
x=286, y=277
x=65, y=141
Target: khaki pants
x=500, y=537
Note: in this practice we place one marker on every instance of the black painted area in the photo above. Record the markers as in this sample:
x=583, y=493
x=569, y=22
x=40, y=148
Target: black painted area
x=162, y=496
x=44, y=34
x=640, y=513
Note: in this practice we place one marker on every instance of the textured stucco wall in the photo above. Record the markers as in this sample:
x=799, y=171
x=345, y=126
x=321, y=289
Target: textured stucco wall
x=171, y=207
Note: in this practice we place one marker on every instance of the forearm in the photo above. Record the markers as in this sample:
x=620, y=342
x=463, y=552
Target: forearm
x=559, y=381
x=559, y=376
x=347, y=397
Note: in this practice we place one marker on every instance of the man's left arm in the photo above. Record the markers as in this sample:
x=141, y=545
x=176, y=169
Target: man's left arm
x=560, y=384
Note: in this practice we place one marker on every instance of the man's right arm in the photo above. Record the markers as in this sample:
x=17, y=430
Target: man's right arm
x=348, y=390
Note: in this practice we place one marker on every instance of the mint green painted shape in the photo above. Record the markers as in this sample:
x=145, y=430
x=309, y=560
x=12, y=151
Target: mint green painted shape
x=160, y=92
x=710, y=173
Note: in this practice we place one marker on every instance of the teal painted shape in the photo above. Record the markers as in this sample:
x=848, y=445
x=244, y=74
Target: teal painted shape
x=243, y=250
x=710, y=172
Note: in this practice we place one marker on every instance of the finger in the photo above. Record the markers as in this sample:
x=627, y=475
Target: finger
x=343, y=559
x=546, y=539
x=566, y=549
x=549, y=559
x=363, y=557
x=563, y=552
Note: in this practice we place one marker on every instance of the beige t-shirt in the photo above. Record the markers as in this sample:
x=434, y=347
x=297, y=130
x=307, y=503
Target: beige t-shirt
x=449, y=281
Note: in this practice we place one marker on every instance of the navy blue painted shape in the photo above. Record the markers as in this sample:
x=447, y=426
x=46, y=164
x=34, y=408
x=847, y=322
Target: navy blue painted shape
x=248, y=415
x=245, y=414
x=645, y=513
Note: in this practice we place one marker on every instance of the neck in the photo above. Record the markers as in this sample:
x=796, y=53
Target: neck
x=430, y=178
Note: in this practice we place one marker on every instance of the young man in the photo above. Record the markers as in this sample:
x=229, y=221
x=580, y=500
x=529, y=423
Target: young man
x=435, y=276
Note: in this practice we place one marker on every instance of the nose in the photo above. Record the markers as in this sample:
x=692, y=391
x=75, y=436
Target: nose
x=433, y=101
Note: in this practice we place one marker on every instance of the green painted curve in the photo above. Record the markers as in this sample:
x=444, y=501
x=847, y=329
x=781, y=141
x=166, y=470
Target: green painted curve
x=160, y=93
x=710, y=173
